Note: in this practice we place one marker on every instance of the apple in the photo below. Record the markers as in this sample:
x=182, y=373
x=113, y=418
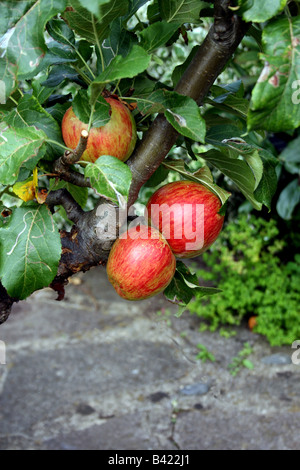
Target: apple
x=187, y=214
x=116, y=138
x=141, y=263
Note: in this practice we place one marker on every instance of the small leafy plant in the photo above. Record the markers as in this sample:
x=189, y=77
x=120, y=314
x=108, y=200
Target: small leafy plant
x=246, y=262
x=204, y=354
x=241, y=360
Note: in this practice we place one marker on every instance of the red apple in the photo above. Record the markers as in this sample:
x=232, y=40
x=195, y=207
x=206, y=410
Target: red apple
x=187, y=214
x=116, y=138
x=140, y=264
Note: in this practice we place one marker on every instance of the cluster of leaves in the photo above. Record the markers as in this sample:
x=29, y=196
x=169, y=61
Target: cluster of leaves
x=245, y=262
x=72, y=50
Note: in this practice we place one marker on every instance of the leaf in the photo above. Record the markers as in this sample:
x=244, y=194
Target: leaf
x=181, y=11
x=228, y=100
x=157, y=35
x=248, y=364
x=26, y=190
x=110, y=177
x=30, y=250
x=30, y=113
x=184, y=286
x=82, y=109
x=262, y=164
x=258, y=11
x=18, y=146
x=180, y=69
x=7, y=79
x=27, y=47
x=274, y=105
x=124, y=67
x=202, y=176
x=268, y=184
x=60, y=31
x=59, y=74
x=11, y=12
x=134, y=6
x=181, y=111
x=237, y=170
x=91, y=27
x=119, y=42
x=289, y=198
x=291, y=157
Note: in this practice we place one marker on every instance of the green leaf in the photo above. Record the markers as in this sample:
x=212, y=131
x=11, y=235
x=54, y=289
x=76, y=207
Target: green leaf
x=134, y=6
x=202, y=176
x=26, y=46
x=261, y=163
x=11, y=12
x=82, y=109
x=110, y=177
x=60, y=31
x=237, y=170
x=181, y=111
x=30, y=113
x=18, y=146
x=91, y=27
x=258, y=11
x=30, y=249
x=180, y=69
x=228, y=100
x=274, y=104
x=7, y=79
x=59, y=74
x=291, y=157
x=248, y=364
x=119, y=42
x=268, y=184
x=184, y=286
x=181, y=11
x=289, y=198
x=124, y=67
x=157, y=35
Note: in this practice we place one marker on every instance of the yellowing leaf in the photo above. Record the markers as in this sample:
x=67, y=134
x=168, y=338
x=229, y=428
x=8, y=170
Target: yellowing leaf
x=26, y=190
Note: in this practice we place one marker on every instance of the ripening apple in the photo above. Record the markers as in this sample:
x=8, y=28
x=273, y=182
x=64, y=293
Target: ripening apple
x=116, y=138
x=141, y=263
x=187, y=214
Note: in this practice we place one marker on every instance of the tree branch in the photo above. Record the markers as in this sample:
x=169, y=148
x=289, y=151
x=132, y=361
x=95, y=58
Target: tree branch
x=222, y=40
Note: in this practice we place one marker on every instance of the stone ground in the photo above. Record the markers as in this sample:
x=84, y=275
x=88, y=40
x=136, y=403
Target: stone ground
x=96, y=372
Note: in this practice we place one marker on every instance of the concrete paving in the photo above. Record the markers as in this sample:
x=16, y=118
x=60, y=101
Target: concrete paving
x=95, y=372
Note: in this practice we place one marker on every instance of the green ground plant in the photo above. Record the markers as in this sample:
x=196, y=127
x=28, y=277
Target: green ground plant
x=246, y=263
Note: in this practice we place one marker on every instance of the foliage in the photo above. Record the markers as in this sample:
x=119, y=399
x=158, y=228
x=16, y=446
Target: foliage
x=246, y=264
x=204, y=354
x=241, y=360
x=63, y=51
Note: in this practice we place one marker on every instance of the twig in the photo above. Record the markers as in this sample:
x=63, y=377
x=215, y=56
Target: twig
x=62, y=166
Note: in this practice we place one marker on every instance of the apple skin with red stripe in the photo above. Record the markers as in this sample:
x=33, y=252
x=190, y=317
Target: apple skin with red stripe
x=172, y=209
x=116, y=138
x=140, y=264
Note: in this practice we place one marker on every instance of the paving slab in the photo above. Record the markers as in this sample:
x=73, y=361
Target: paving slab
x=95, y=372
